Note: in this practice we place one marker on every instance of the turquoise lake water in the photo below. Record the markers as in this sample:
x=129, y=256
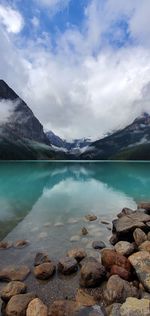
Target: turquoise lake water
x=46, y=204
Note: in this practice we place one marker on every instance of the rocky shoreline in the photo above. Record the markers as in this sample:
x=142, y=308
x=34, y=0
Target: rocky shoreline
x=115, y=284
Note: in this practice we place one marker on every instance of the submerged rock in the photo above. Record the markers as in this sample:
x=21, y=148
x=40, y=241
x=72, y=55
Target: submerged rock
x=141, y=263
x=84, y=299
x=41, y=258
x=75, y=238
x=37, y=308
x=84, y=231
x=134, y=306
x=139, y=236
x=67, y=265
x=91, y=217
x=98, y=245
x=11, y=289
x=124, y=248
x=14, y=273
x=92, y=274
x=77, y=253
x=18, y=304
x=5, y=245
x=21, y=243
x=44, y=271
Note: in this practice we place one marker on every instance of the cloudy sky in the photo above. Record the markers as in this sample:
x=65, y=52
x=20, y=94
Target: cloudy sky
x=83, y=66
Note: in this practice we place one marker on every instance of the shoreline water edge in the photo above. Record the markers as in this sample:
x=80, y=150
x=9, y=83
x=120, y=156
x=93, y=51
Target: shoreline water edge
x=114, y=282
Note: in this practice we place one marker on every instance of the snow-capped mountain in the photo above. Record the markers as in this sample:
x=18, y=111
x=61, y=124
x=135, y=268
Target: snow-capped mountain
x=132, y=142
x=74, y=146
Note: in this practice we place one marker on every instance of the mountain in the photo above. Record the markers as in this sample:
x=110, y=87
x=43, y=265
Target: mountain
x=130, y=143
x=21, y=134
x=74, y=147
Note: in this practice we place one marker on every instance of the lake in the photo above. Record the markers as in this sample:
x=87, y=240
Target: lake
x=46, y=204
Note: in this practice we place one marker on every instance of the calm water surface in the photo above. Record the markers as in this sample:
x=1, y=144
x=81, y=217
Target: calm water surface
x=45, y=203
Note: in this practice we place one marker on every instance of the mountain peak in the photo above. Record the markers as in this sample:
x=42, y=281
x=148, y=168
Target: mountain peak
x=6, y=92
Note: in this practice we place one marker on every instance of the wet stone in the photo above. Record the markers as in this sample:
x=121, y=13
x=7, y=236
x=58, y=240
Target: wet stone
x=14, y=273
x=91, y=217
x=77, y=253
x=67, y=265
x=84, y=231
x=21, y=243
x=5, y=245
x=44, y=271
x=41, y=258
x=11, y=289
x=18, y=304
x=37, y=308
x=98, y=245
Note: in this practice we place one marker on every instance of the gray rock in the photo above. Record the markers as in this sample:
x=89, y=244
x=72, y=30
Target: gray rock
x=125, y=211
x=124, y=248
x=135, y=307
x=141, y=263
x=139, y=236
x=98, y=245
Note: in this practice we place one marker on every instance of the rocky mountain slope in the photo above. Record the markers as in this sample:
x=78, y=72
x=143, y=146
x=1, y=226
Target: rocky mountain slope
x=21, y=133
x=131, y=143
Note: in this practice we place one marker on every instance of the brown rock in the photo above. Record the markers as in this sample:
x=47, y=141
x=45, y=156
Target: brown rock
x=44, y=271
x=124, y=248
x=125, y=211
x=141, y=263
x=5, y=245
x=41, y=258
x=145, y=246
x=110, y=257
x=124, y=274
x=139, y=236
x=77, y=253
x=92, y=274
x=18, y=304
x=14, y=273
x=11, y=289
x=114, y=309
x=21, y=243
x=62, y=308
x=91, y=217
x=84, y=299
x=117, y=290
x=84, y=231
x=37, y=308
x=67, y=265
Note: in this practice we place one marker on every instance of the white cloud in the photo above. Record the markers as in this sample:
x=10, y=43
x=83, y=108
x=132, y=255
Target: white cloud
x=85, y=87
x=11, y=19
x=6, y=109
x=54, y=5
x=35, y=21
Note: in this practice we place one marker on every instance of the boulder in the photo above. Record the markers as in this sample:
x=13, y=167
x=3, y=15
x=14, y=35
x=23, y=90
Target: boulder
x=5, y=245
x=134, y=306
x=44, y=271
x=77, y=253
x=139, y=236
x=92, y=274
x=84, y=299
x=67, y=265
x=145, y=246
x=98, y=245
x=91, y=217
x=11, y=289
x=126, y=224
x=124, y=248
x=125, y=211
x=21, y=243
x=41, y=258
x=144, y=205
x=141, y=263
x=123, y=273
x=14, y=273
x=62, y=308
x=110, y=257
x=18, y=304
x=117, y=290
x=37, y=308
